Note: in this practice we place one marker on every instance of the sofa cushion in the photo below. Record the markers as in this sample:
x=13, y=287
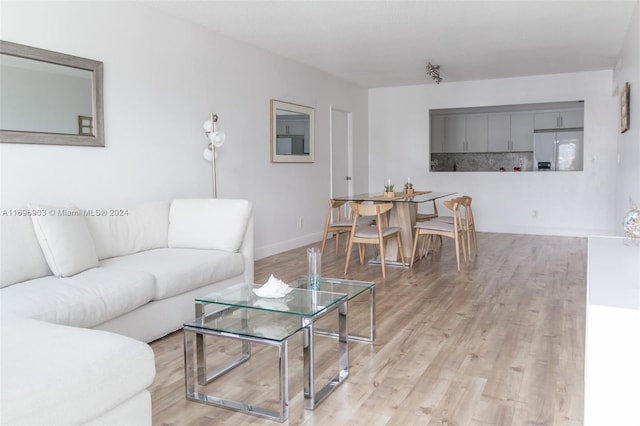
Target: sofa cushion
x=129, y=230
x=55, y=375
x=217, y=224
x=179, y=270
x=84, y=300
x=64, y=239
x=22, y=258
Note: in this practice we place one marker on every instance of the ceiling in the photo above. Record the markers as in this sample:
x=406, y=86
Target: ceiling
x=388, y=43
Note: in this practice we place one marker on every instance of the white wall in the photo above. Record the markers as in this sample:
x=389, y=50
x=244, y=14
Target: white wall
x=162, y=78
x=572, y=203
x=628, y=167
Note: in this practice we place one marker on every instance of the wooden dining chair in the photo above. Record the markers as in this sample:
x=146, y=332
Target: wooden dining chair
x=431, y=229
x=377, y=234
x=423, y=217
x=468, y=223
x=336, y=223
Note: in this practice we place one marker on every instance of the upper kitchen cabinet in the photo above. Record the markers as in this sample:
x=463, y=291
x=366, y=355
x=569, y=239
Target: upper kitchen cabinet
x=568, y=119
x=499, y=132
x=455, y=139
x=476, y=133
x=522, y=132
x=510, y=132
x=437, y=134
x=290, y=127
x=465, y=133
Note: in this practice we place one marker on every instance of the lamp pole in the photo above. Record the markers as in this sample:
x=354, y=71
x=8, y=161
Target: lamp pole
x=214, y=119
x=213, y=170
x=216, y=138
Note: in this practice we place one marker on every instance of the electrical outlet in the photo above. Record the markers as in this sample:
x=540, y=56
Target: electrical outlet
x=534, y=213
x=300, y=223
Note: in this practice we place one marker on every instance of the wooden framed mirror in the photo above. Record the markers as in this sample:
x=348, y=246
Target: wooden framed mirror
x=49, y=98
x=292, y=133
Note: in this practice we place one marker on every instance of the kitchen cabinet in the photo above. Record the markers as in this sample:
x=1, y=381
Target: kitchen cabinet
x=290, y=127
x=572, y=119
x=437, y=134
x=455, y=139
x=510, y=132
x=499, y=133
x=476, y=133
x=465, y=133
x=559, y=119
x=546, y=120
x=522, y=132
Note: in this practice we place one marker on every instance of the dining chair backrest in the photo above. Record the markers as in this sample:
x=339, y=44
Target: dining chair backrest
x=364, y=234
x=336, y=222
x=337, y=211
x=449, y=219
x=421, y=217
x=370, y=209
x=465, y=202
x=454, y=205
x=430, y=230
x=469, y=223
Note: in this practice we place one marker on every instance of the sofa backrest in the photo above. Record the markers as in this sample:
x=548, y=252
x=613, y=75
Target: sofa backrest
x=128, y=230
x=195, y=223
x=21, y=258
x=218, y=224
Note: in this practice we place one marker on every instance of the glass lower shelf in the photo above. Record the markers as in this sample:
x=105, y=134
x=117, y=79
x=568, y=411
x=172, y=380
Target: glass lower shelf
x=250, y=322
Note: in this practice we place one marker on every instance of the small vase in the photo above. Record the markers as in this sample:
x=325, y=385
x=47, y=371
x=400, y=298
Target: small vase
x=314, y=261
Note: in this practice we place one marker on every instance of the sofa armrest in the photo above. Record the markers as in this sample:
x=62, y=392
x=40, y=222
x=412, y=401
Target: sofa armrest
x=247, y=250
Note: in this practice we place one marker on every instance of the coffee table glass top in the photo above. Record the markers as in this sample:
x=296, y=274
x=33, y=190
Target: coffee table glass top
x=336, y=285
x=299, y=301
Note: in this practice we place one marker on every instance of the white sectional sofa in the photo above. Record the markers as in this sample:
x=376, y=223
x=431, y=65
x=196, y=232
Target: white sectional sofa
x=82, y=289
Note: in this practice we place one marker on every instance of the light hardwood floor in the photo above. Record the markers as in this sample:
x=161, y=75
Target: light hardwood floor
x=500, y=343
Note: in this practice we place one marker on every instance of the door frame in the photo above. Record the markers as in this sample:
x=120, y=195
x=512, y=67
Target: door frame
x=349, y=149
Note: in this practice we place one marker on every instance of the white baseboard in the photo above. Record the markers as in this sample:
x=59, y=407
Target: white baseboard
x=535, y=230
x=282, y=246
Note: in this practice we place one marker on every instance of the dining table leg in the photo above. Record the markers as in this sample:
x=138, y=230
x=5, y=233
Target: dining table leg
x=402, y=215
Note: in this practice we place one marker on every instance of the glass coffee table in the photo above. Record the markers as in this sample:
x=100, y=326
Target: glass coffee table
x=352, y=289
x=238, y=313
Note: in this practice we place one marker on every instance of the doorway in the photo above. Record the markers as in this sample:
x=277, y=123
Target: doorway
x=341, y=152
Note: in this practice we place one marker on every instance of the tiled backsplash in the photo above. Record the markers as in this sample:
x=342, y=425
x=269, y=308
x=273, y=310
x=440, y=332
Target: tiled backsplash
x=482, y=161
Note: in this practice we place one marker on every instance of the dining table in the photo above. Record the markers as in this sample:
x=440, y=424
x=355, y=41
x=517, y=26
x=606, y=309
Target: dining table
x=403, y=215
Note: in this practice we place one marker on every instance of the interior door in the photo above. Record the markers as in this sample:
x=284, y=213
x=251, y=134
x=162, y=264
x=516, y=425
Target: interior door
x=341, y=179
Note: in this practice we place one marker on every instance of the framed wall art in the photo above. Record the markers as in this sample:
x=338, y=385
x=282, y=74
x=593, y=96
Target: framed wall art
x=625, y=97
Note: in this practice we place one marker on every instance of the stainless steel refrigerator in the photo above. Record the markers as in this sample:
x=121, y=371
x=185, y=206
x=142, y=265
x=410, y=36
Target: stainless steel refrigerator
x=558, y=150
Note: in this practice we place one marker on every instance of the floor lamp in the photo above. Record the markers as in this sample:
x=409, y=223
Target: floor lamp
x=216, y=140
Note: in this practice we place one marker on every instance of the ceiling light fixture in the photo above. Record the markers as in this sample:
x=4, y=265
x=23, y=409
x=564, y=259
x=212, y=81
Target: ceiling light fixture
x=433, y=71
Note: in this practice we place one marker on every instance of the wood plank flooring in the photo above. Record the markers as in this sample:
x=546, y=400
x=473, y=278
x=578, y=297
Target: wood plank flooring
x=500, y=343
